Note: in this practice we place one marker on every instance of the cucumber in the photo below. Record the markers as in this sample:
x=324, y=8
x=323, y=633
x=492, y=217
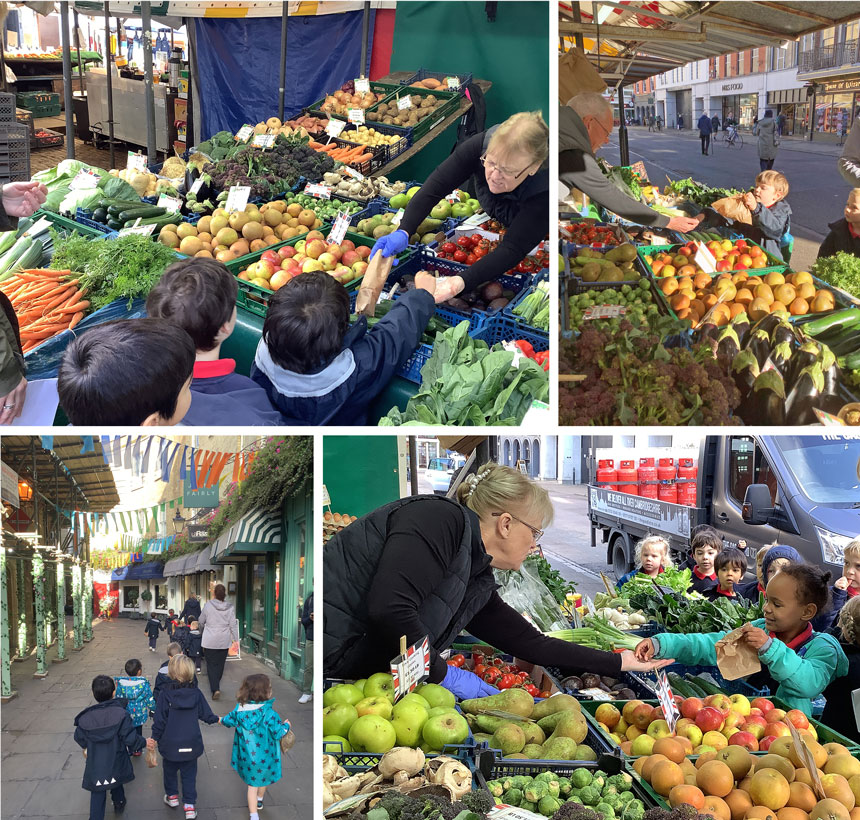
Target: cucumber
x=115, y=208
x=694, y=683
x=144, y=212
x=100, y=215
x=839, y=319
x=709, y=687
x=158, y=221
x=851, y=361
x=114, y=225
x=679, y=685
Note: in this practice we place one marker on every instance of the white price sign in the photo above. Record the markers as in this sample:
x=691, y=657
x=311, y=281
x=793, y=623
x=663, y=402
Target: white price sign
x=244, y=133
x=667, y=701
x=604, y=312
x=356, y=115
x=144, y=230
x=198, y=184
x=264, y=140
x=453, y=197
x=237, y=198
x=171, y=203
x=411, y=667
x=351, y=172
x=340, y=227
x=318, y=191
x=704, y=258
x=398, y=216
x=362, y=85
x=85, y=179
x=135, y=162
x=404, y=103
x=334, y=127
x=453, y=83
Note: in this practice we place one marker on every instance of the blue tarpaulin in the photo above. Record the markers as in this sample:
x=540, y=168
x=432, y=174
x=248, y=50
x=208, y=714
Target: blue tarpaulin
x=239, y=62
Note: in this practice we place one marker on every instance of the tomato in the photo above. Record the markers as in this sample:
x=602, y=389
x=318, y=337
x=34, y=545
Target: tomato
x=464, y=242
x=477, y=238
x=515, y=670
x=447, y=247
x=532, y=690
x=545, y=693
x=458, y=660
x=491, y=675
x=498, y=662
x=506, y=682
x=459, y=256
x=505, y=670
x=479, y=669
x=479, y=252
x=451, y=663
x=471, y=259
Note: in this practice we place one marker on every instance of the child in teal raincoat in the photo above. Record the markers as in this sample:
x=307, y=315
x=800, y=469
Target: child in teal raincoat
x=256, y=744
x=799, y=663
x=137, y=691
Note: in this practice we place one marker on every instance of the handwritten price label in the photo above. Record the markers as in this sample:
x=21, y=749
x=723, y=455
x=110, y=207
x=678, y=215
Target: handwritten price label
x=318, y=191
x=334, y=127
x=398, y=216
x=198, y=184
x=264, y=140
x=340, y=227
x=237, y=198
x=143, y=230
x=604, y=312
x=135, y=162
x=404, y=102
x=453, y=83
x=171, y=203
x=351, y=172
x=356, y=115
x=362, y=85
x=244, y=133
x=410, y=668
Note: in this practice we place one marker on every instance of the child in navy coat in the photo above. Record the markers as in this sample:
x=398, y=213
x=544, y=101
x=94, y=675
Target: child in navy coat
x=191, y=645
x=152, y=628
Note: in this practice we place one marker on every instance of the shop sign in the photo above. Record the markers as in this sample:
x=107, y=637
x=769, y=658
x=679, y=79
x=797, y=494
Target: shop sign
x=733, y=87
x=201, y=497
x=842, y=85
x=9, y=485
x=198, y=533
x=660, y=516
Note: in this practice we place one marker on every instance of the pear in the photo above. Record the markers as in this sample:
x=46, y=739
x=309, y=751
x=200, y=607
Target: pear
x=482, y=737
x=515, y=701
x=533, y=733
x=584, y=752
x=509, y=738
x=571, y=725
x=557, y=703
x=559, y=748
x=549, y=723
x=490, y=724
x=533, y=751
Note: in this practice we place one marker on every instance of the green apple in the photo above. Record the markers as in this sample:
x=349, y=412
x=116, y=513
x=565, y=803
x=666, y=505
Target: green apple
x=398, y=201
x=380, y=685
x=359, y=684
x=441, y=710
x=300, y=246
x=342, y=693
x=411, y=697
x=436, y=695
x=409, y=720
x=372, y=733
x=337, y=719
x=442, y=210
x=335, y=749
x=464, y=195
x=412, y=191
x=444, y=730
x=460, y=209
x=474, y=205
x=378, y=705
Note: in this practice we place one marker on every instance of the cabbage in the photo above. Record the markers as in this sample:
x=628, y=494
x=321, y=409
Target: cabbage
x=64, y=173
x=55, y=198
x=86, y=198
x=116, y=188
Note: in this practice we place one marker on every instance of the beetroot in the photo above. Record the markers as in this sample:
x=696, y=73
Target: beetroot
x=491, y=291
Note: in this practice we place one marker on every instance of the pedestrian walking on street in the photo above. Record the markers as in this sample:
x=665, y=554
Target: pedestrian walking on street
x=191, y=646
x=680, y=122
x=218, y=622
x=176, y=730
x=171, y=623
x=152, y=628
x=105, y=733
x=765, y=130
x=704, y=126
x=256, y=743
x=780, y=123
x=191, y=610
x=161, y=677
x=308, y=624
x=136, y=690
x=715, y=124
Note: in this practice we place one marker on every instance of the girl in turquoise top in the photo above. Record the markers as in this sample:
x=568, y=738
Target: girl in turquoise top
x=799, y=663
x=256, y=746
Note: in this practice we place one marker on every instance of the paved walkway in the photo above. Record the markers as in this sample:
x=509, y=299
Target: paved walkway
x=42, y=765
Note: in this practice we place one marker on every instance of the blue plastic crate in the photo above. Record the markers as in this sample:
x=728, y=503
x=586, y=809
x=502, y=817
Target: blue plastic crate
x=501, y=329
x=85, y=218
x=508, y=311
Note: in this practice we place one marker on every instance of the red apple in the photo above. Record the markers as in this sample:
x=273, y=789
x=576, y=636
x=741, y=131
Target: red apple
x=347, y=245
x=315, y=248
x=273, y=258
x=709, y=719
x=335, y=250
x=363, y=251
x=642, y=716
x=755, y=726
x=745, y=739
x=719, y=702
x=778, y=729
x=799, y=720
x=757, y=712
x=691, y=707
x=734, y=719
x=349, y=258
x=287, y=251
x=775, y=715
x=359, y=268
x=764, y=743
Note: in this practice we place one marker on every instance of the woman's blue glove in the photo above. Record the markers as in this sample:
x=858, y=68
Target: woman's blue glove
x=391, y=244
x=466, y=685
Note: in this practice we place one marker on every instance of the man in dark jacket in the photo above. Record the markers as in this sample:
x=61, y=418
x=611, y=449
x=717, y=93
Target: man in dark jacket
x=705, y=127
x=844, y=233
x=585, y=125
x=715, y=123
x=308, y=624
x=191, y=610
x=106, y=734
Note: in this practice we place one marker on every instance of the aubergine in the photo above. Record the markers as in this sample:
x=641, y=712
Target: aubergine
x=759, y=345
x=806, y=356
x=708, y=331
x=780, y=357
x=728, y=345
x=767, y=323
x=804, y=396
x=831, y=370
x=766, y=401
x=741, y=324
x=783, y=332
x=745, y=371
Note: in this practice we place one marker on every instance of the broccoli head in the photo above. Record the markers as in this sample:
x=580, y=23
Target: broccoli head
x=683, y=811
x=478, y=801
x=574, y=811
x=394, y=802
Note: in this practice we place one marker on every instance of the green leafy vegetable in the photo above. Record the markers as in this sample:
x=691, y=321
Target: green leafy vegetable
x=677, y=579
x=678, y=612
x=699, y=193
x=554, y=581
x=116, y=188
x=841, y=271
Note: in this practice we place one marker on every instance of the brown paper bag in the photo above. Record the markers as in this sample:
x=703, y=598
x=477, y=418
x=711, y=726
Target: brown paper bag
x=735, y=658
x=151, y=758
x=372, y=283
x=576, y=75
x=732, y=207
x=288, y=741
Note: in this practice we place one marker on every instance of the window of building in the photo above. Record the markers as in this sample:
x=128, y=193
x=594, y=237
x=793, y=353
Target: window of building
x=779, y=58
x=258, y=597
x=852, y=31
x=627, y=441
x=277, y=624
x=130, y=596
x=160, y=596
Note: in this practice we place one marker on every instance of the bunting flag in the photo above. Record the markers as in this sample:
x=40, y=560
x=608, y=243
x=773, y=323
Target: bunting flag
x=88, y=446
x=47, y=442
x=105, y=440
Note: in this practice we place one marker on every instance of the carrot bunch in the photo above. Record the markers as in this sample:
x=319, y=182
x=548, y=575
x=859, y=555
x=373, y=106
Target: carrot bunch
x=343, y=153
x=46, y=302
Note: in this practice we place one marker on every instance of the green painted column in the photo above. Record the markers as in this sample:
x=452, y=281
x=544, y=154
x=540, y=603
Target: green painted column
x=5, y=645
x=22, y=611
x=39, y=598
x=76, y=599
x=61, y=613
x=88, y=600
x=48, y=596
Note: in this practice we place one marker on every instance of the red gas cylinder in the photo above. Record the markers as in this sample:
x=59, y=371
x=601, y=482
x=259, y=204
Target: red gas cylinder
x=667, y=489
x=607, y=473
x=687, y=469
x=647, y=474
x=627, y=477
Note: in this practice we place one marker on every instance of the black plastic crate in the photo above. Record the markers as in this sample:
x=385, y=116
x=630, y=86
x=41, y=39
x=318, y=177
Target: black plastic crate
x=423, y=74
x=392, y=150
x=14, y=152
x=47, y=139
x=7, y=108
x=368, y=166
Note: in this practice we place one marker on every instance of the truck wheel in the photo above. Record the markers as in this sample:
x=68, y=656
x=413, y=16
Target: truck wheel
x=620, y=563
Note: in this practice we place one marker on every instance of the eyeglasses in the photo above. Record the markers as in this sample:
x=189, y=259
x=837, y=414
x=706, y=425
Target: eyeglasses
x=505, y=172
x=536, y=533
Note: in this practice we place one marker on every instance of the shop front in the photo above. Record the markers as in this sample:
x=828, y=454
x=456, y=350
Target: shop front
x=742, y=108
x=835, y=108
x=273, y=562
x=190, y=575
x=793, y=105
x=142, y=588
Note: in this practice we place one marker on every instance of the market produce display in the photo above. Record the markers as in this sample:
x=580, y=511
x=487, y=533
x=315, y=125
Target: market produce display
x=534, y=309
x=420, y=106
x=339, y=103
x=343, y=184
x=383, y=224
x=591, y=233
x=613, y=265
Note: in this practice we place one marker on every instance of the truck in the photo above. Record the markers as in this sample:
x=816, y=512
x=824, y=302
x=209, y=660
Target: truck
x=798, y=490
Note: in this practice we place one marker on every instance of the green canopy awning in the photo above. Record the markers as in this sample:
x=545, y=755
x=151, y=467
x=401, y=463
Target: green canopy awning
x=254, y=533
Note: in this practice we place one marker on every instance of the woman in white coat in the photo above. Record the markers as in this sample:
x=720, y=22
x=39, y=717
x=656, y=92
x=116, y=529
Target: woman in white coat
x=218, y=622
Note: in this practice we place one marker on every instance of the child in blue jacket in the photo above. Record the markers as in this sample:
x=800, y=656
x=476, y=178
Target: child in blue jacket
x=315, y=368
x=652, y=558
x=799, y=662
x=258, y=732
x=152, y=628
x=136, y=690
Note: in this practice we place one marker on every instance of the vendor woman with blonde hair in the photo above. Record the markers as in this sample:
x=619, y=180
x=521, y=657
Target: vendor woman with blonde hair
x=424, y=566
x=508, y=164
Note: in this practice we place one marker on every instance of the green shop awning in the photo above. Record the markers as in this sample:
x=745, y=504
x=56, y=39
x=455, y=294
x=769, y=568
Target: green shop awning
x=254, y=533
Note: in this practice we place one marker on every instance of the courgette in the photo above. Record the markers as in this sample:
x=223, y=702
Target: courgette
x=695, y=684
x=100, y=215
x=851, y=361
x=116, y=208
x=159, y=221
x=143, y=212
x=114, y=225
x=840, y=319
x=679, y=685
x=710, y=688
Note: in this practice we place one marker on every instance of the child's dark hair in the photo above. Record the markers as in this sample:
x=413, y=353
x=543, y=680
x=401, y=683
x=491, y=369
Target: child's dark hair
x=700, y=528
x=133, y=666
x=306, y=322
x=255, y=688
x=103, y=688
x=199, y=295
x=731, y=557
x=122, y=372
x=706, y=538
x=813, y=584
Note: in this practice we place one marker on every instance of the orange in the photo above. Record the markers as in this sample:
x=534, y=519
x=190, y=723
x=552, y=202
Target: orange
x=665, y=776
x=687, y=794
x=715, y=778
x=739, y=803
x=670, y=748
x=650, y=763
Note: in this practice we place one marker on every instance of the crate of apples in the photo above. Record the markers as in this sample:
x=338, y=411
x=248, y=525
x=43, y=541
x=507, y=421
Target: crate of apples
x=730, y=255
x=345, y=262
